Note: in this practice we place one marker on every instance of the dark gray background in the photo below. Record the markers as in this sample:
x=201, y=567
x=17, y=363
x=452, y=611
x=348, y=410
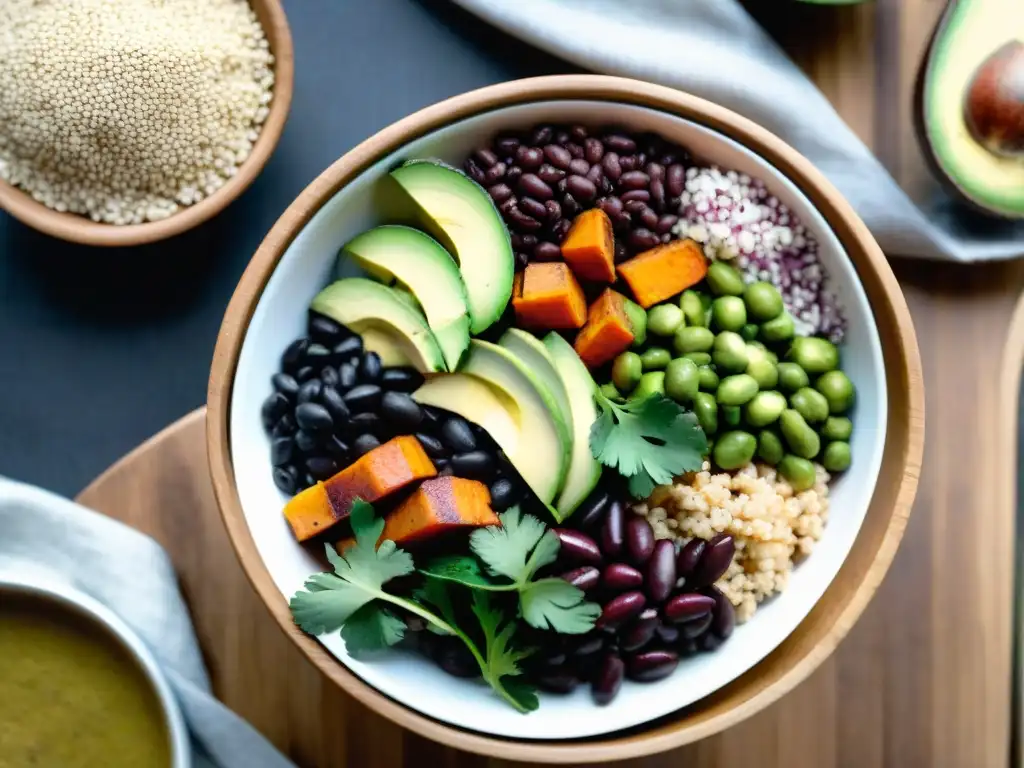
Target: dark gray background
x=101, y=348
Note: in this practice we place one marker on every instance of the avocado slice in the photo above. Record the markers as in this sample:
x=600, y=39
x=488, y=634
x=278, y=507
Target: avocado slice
x=359, y=303
x=394, y=253
x=534, y=355
x=584, y=470
x=461, y=215
x=476, y=401
x=969, y=100
x=393, y=350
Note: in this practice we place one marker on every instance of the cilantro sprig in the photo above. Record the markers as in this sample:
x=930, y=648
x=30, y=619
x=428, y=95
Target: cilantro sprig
x=649, y=441
x=512, y=554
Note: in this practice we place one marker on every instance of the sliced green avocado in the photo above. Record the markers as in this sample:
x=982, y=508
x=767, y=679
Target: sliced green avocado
x=392, y=348
x=584, y=470
x=393, y=253
x=534, y=355
x=965, y=103
x=357, y=302
x=542, y=456
x=461, y=215
x=477, y=401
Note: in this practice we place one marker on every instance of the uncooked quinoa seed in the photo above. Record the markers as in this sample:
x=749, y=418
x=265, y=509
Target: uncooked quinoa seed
x=127, y=110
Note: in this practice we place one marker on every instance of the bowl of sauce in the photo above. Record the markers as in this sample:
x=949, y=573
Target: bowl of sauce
x=78, y=688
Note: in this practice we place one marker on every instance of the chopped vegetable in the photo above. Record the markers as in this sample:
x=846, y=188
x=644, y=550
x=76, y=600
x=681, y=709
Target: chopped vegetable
x=548, y=296
x=608, y=330
x=650, y=441
x=589, y=247
x=664, y=271
x=310, y=512
x=440, y=505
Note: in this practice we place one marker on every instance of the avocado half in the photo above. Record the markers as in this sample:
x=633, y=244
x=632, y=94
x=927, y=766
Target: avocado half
x=969, y=104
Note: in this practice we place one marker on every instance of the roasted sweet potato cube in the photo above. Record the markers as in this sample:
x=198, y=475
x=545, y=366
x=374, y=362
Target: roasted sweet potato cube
x=439, y=506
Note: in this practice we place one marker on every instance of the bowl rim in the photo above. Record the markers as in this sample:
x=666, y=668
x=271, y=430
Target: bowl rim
x=66, y=597
x=75, y=228
x=872, y=552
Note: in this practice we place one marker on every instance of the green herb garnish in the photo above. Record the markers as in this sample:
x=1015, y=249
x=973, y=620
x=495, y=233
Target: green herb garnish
x=650, y=441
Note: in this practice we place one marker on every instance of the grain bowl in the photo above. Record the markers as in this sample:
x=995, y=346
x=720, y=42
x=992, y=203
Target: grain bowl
x=683, y=699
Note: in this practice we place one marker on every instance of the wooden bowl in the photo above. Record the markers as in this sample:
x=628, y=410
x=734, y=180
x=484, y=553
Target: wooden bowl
x=862, y=570
x=76, y=228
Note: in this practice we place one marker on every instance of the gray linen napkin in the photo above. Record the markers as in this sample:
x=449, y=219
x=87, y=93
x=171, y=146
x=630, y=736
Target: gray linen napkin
x=130, y=574
x=714, y=49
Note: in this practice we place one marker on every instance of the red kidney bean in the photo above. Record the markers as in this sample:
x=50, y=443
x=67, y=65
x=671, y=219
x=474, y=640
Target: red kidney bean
x=665, y=223
x=528, y=241
x=724, y=614
x=593, y=150
x=513, y=175
x=636, y=194
x=667, y=633
x=521, y=220
x=577, y=546
x=655, y=171
x=634, y=180
x=618, y=577
x=578, y=133
x=522, y=261
x=558, y=156
x=532, y=185
x=622, y=222
x=558, y=682
x=596, y=175
x=657, y=190
x=561, y=229
x=648, y=218
x=546, y=251
x=581, y=188
x=713, y=562
x=531, y=207
x=661, y=571
x=691, y=630
x=640, y=632
x=474, y=171
x=649, y=666
x=613, y=533
x=639, y=539
x=675, y=179
x=636, y=207
x=549, y=174
x=554, y=210
x=591, y=511
x=576, y=150
x=530, y=158
x=619, y=143
x=500, y=193
x=588, y=644
x=608, y=680
x=641, y=239
x=495, y=173
x=485, y=157
x=611, y=205
x=542, y=134
x=710, y=642
x=628, y=163
x=620, y=609
x=689, y=556
x=570, y=206
x=586, y=578
x=507, y=145
x=579, y=167
x=687, y=607
x=610, y=163
x=687, y=647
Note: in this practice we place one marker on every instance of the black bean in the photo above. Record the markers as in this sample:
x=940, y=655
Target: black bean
x=285, y=384
x=310, y=391
x=432, y=446
x=687, y=607
x=657, y=190
x=485, y=157
x=512, y=175
x=307, y=481
x=455, y=659
x=500, y=193
x=547, y=252
x=325, y=330
x=578, y=133
x=363, y=397
x=558, y=156
x=506, y=145
x=286, y=479
x=432, y=418
x=285, y=426
x=495, y=174
x=457, y=435
x=337, y=448
x=590, y=513
x=613, y=532
x=274, y=407
x=579, y=167
x=608, y=680
x=570, y=206
x=348, y=374
x=665, y=223
x=281, y=449
x=532, y=185
x=667, y=633
x=441, y=465
x=364, y=444
x=561, y=229
x=641, y=239
x=531, y=207
x=611, y=205
x=636, y=194
x=675, y=179
x=621, y=609
x=588, y=644
x=558, y=682
x=586, y=577
x=581, y=188
x=549, y=174
x=503, y=494
x=619, y=577
x=649, y=666
x=648, y=218
x=305, y=441
x=612, y=168
x=293, y=354
x=634, y=180
x=714, y=561
x=401, y=379
x=640, y=631
x=661, y=571
x=335, y=405
x=473, y=169
x=317, y=355
x=628, y=163
x=593, y=150
x=724, y=614
x=370, y=368
x=686, y=647
x=542, y=134
x=577, y=547
x=366, y=422
x=321, y=467
x=347, y=349
x=529, y=158
x=404, y=413
x=639, y=540
x=329, y=376
x=314, y=418
x=305, y=373
x=689, y=556
x=522, y=261
x=576, y=150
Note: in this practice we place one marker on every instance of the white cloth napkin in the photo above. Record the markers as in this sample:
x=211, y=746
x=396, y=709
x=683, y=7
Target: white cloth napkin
x=130, y=574
x=714, y=49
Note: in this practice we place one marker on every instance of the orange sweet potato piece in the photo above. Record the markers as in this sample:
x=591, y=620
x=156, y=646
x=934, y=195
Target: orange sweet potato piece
x=439, y=506
x=664, y=271
x=379, y=473
x=607, y=332
x=549, y=297
x=589, y=247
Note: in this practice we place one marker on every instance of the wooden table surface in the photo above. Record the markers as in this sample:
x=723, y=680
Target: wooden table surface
x=924, y=679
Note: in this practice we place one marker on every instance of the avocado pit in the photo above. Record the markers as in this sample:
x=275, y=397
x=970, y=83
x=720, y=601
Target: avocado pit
x=994, y=106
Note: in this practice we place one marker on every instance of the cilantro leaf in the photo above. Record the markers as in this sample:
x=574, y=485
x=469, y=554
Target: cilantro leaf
x=543, y=554
x=327, y=604
x=465, y=570
x=505, y=548
x=556, y=604
x=501, y=668
x=649, y=441
x=367, y=565
x=370, y=629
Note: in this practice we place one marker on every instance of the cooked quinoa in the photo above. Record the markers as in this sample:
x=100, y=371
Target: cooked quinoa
x=772, y=526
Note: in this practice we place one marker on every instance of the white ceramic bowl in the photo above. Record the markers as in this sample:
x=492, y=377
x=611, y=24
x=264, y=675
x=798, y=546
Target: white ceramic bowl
x=280, y=315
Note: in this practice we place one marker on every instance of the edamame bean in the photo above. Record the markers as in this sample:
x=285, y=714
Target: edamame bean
x=801, y=439
x=655, y=358
x=693, y=340
x=608, y=390
x=763, y=301
x=792, y=377
x=638, y=322
x=731, y=415
x=664, y=319
x=769, y=447
x=764, y=409
x=729, y=352
x=778, y=328
x=700, y=358
x=682, y=380
x=810, y=404
x=798, y=472
x=734, y=449
x=652, y=383
x=837, y=389
x=837, y=428
x=760, y=345
x=708, y=379
x=706, y=410
x=749, y=332
x=723, y=280
x=761, y=368
x=814, y=354
x=728, y=313
x=736, y=390
x=836, y=457
x=693, y=308
x=626, y=371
